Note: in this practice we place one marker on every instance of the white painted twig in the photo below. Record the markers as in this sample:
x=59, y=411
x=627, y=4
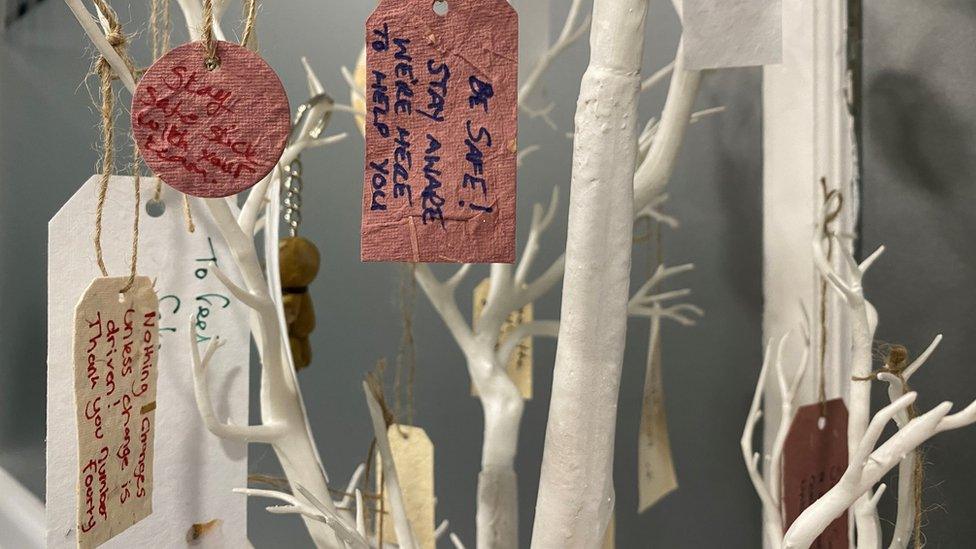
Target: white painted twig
x=354, y=539
x=391, y=483
x=897, y=386
x=582, y=411
x=868, y=461
x=867, y=467
x=570, y=33
x=97, y=36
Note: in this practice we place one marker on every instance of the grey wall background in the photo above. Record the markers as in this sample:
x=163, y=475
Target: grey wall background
x=919, y=138
x=919, y=166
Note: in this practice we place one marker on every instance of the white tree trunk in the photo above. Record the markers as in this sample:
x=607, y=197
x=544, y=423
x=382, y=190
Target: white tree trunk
x=497, y=510
x=576, y=487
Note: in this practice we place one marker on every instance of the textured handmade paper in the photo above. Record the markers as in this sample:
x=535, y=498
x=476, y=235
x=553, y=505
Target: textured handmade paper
x=519, y=366
x=413, y=455
x=210, y=133
x=115, y=340
x=194, y=471
x=655, y=466
x=814, y=459
x=441, y=105
x=732, y=33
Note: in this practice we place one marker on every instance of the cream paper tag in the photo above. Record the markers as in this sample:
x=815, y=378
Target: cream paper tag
x=193, y=470
x=115, y=343
x=519, y=365
x=413, y=455
x=610, y=539
x=655, y=467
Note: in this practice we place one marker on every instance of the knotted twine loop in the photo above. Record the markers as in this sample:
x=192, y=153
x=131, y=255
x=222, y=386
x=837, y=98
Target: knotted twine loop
x=117, y=39
x=827, y=233
x=211, y=60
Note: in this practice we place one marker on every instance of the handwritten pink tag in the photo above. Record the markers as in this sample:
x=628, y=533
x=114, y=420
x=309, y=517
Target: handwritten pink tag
x=441, y=125
x=210, y=133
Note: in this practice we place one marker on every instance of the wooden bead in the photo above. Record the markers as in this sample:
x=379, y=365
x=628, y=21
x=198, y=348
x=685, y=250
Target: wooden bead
x=299, y=261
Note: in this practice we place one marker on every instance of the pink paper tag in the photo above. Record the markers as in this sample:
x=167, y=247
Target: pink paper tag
x=441, y=125
x=210, y=133
x=814, y=458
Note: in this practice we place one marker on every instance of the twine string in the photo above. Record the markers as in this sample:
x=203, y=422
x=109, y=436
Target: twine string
x=407, y=351
x=210, y=58
x=117, y=39
x=831, y=195
x=250, y=19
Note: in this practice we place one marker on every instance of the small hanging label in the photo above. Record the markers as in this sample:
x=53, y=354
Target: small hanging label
x=193, y=471
x=519, y=365
x=210, y=133
x=115, y=400
x=731, y=33
x=814, y=459
x=413, y=455
x=656, y=475
x=441, y=124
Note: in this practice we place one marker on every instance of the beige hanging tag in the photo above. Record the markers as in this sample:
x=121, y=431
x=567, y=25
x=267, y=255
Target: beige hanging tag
x=655, y=466
x=115, y=339
x=413, y=455
x=519, y=365
x=194, y=471
x=610, y=540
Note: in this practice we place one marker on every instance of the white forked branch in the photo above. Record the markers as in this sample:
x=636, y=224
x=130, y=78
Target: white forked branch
x=868, y=461
x=769, y=486
x=645, y=303
x=284, y=422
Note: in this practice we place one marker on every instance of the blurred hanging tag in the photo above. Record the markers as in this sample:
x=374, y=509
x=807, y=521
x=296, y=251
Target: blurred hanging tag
x=413, y=455
x=656, y=476
x=533, y=16
x=192, y=470
x=731, y=33
x=442, y=105
x=115, y=339
x=210, y=133
x=610, y=539
x=814, y=458
x=519, y=365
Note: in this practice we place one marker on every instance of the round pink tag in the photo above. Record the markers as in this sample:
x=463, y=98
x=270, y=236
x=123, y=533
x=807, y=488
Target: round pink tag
x=210, y=133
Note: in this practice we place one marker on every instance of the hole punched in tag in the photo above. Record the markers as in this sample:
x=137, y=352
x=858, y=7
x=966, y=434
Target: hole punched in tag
x=155, y=207
x=440, y=7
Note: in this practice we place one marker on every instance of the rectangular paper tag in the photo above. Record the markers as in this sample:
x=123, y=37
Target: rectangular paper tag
x=441, y=124
x=115, y=341
x=519, y=366
x=731, y=33
x=193, y=470
x=656, y=477
x=814, y=459
x=413, y=455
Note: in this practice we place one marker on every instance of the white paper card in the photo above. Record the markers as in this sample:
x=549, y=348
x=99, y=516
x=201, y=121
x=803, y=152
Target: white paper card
x=194, y=471
x=732, y=33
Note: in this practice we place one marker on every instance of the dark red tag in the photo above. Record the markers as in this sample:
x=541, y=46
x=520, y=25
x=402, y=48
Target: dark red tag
x=441, y=122
x=814, y=459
